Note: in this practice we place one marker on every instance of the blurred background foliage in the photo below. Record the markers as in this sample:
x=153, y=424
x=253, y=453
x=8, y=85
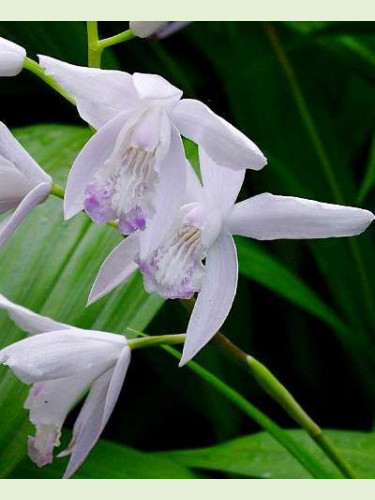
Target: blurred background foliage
x=305, y=93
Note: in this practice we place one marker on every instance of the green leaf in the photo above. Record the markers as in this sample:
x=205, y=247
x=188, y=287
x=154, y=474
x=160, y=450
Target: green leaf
x=259, y=456
x=49, y=266
x=109, y=460
x=369, y=179
x=256, y=264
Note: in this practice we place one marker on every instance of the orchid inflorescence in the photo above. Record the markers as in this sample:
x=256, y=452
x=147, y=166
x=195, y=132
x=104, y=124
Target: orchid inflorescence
x=178, y=229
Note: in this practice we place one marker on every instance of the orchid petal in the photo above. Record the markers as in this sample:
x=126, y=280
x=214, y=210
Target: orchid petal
x=270, y=217
x=194, y=189
x=226, y=145
x=49, y=403
x=155, y=88
x=12, y=151
x=14, y=185
x=12, y=57
x=215, y=298
x=65, y=353
x=34, y=197
x=221, y=184
x=29, y=321
x=116, y=269
x=170, y=193
x=98, y=149
x=100, y=94
x=170, y=28
x=96, y=411
x=143, y=29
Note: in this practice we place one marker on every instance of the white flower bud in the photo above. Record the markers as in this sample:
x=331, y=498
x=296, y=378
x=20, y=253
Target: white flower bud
x=12, y=57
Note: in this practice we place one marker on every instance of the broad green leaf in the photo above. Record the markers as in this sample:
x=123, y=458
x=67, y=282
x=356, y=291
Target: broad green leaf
x=49, y=266
x=109, y=460
x=259, y=456
x=257, y=264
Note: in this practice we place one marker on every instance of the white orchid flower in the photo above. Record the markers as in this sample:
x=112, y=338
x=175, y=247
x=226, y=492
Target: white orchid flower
x=62, y=363
x=157, y=29
x=204, y=229
x=133, y=169
x=23, y=184
x=12, y=57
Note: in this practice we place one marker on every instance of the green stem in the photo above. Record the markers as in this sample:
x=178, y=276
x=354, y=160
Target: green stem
x=320, y=152
x=94, y=50
x=294, y=448
x=156, y=340
x=58, y=191
x=114, y=40
x=284, y=398
x=37, y=70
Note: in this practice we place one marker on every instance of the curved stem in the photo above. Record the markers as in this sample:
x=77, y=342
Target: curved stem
x=284, y=398
x=37, y=70
x=114, y=40
x=57, y=191
x=94, y=50
x=293, y=447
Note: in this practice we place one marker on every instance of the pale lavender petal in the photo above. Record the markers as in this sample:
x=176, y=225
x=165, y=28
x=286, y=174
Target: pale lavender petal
x=194, y=189
x=170, y=28
x=90, y=159
x=215, y=298
x=170, y=193
x=67, y=352
x=226, y=145
x=100, y=94
x=29, y=321
x=96, y=412
x=12, y=151
x=12, y=57
x=221, y=185
x=155, y=88
x=270, y=217
x=117, y=268
x=36, y=196
x=143, y=29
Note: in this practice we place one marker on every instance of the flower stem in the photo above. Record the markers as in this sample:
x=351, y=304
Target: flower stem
x=284, y=398
x=58, y=191
x=309, y=462
x=35, y=68
x=156, y=340
x=114, y=40
x=94, y=50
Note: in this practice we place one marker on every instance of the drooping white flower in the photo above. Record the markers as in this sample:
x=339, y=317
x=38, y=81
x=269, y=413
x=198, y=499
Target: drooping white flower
x=12, y=57
x=23, y=184
x=133, y=169
x=158, y=29
x=63, y=363
x=203, y=232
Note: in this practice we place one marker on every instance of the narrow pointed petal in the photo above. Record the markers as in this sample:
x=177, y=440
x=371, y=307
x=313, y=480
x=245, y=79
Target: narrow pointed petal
x=171, y=187
x=270, y=217
x=155, y=88
x=12, y=151
x=14, y=185
x=100, y=94
x=29, y=321
x=96, y=412
x=36, y=196
x=116, y=269
x=90, y=159
x=12, y=57
x=215, y=298
x=49, y=402
x=226, y=145
x=221, y=184
x=171, y=28
x=65, y=353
